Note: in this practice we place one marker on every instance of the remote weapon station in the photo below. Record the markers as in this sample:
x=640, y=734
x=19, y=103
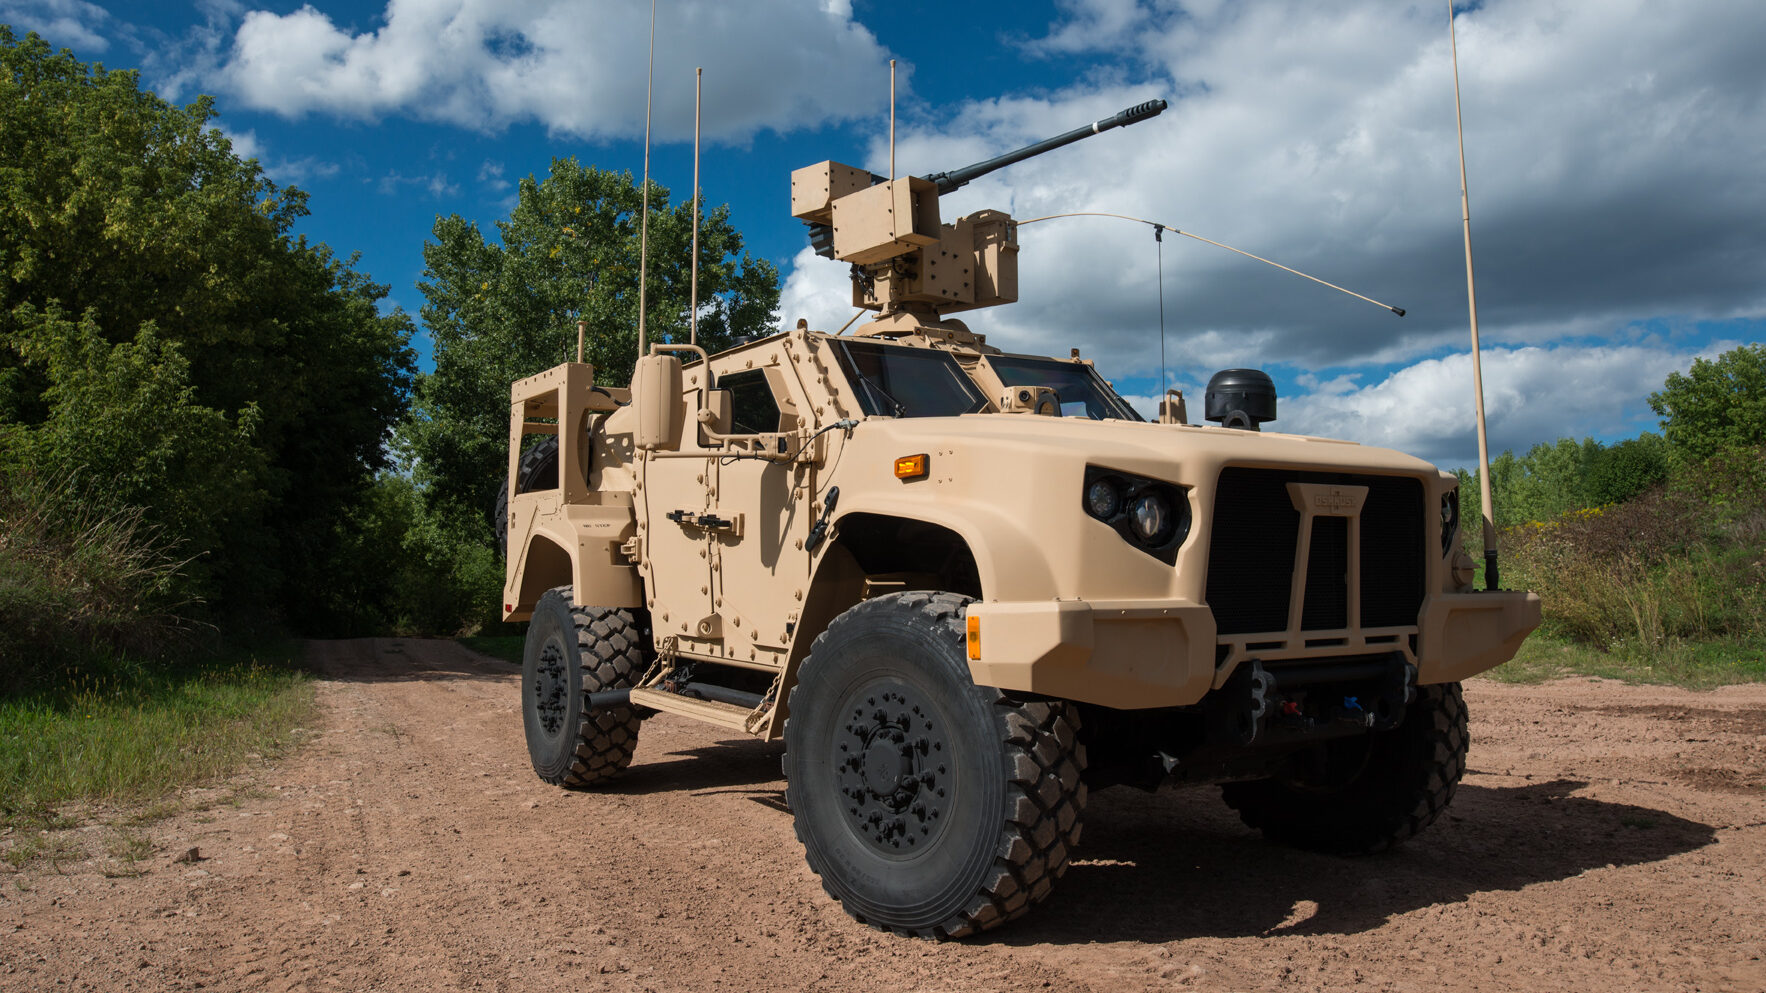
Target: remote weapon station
x=966, y=586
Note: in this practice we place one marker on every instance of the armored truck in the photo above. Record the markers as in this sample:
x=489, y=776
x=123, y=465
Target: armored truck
x=968, y=585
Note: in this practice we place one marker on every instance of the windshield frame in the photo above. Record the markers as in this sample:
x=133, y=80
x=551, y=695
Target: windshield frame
x=1112, y=402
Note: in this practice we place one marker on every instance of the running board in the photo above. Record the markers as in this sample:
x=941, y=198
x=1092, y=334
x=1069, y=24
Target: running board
x=724, y=715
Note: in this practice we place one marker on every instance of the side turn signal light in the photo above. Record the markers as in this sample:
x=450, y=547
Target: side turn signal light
x=911, y=467
x=974, y=638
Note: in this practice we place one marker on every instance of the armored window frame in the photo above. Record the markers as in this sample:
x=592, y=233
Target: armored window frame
x=898, y=381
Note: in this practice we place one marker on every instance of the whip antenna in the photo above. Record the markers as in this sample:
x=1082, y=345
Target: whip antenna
x=693, y=294
x=1159, y=240
x=644, y=211
x=1491, y=578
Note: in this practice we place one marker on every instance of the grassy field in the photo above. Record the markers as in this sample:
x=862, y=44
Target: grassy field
x=1692, y=664
x=498, y=646
x=127, y=732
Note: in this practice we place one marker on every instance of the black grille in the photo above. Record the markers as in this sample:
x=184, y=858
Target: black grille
x=1251, y=553
x=1327, y=576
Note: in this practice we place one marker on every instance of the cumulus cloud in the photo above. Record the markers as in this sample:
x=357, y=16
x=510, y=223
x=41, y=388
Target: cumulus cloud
x=818, y=291
x=1531, y=394
x=70, y=23
x=1612, y=150
x=575, y=68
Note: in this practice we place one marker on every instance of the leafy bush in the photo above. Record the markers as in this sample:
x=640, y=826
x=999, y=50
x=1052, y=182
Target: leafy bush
x=166, y=337
x=404, y=569
x=1553, y=479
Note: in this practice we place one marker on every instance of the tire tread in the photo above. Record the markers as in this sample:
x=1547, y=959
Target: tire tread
x=1045, y=796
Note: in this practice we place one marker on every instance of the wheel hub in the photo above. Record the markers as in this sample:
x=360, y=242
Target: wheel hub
x=550, y=689
x=890, y=761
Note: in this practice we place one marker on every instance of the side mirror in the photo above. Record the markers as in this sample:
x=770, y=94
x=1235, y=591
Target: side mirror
x=656, y=392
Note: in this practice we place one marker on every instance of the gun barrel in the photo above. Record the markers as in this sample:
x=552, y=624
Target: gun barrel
x=958, y=178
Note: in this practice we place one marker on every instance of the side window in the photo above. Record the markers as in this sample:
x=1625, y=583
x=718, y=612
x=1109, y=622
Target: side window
x=752, y=407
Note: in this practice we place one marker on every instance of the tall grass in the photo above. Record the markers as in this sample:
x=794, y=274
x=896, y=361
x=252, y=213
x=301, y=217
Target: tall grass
x=1677, y=573
x=78, y=582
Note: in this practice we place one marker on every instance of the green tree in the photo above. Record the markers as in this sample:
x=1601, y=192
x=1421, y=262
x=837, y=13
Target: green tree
x=131, y=236
x=1627, y=468
x=503, y=311
x=1719, y=404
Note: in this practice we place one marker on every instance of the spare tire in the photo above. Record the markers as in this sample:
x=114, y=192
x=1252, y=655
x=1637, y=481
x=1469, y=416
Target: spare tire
x=538, y=470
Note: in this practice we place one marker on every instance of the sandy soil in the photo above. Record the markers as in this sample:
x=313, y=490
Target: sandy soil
x=1607, y=838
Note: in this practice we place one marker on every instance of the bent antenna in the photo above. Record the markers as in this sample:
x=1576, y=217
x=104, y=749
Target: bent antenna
x=1157, y=227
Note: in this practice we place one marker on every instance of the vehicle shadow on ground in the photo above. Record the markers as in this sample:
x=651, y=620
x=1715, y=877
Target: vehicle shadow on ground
x=397, y=660
x=1178, y=864
x=739, y=765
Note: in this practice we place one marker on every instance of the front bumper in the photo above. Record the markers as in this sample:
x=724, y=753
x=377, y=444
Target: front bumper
x=1464, y=634
x=1127, y=654
x=1141, y=654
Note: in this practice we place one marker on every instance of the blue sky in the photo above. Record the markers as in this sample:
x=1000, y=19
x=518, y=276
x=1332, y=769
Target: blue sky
x=1619, y=211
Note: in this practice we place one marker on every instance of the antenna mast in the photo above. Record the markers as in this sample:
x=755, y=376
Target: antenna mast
x=892, y=120
x=693, y=293
x=644, y=211
x=1491, y=576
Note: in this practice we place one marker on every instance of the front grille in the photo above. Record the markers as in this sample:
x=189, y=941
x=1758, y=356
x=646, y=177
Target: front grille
x=1251, y=553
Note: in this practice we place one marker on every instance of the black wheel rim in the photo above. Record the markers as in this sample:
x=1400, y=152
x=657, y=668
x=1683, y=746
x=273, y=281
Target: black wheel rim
x=551, y=689
x=893, y=769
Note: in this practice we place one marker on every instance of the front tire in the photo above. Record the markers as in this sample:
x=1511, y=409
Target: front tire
x=928, y=805
x=1356, y=796
x=571, y=652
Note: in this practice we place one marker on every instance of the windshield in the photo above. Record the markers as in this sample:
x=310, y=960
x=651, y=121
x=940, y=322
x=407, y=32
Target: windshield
x=1083, y=393
x=908, y=382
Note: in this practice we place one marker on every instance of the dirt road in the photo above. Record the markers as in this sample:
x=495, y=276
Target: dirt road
x=1607, y=838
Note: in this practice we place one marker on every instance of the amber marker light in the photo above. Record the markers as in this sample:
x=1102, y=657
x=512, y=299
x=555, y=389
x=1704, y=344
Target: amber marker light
x=974, y=638
x=910, y=467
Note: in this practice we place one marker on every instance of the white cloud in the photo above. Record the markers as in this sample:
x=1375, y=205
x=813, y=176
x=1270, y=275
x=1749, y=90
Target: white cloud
x=436, y=184
x=1090, y=25
x=818, y=291
x=1531, y=394
x=70, y=23
x=490, y=175
x=578, y=69
x=1612, y=149
x=247, y=145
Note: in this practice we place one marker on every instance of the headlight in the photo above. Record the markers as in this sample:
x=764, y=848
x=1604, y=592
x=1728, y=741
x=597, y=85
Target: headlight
x=1153, y=516
x=1102, y=498
x=1150, y=517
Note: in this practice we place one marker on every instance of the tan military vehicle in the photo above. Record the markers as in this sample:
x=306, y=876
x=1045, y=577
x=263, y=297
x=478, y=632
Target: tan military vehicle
x=966, y=585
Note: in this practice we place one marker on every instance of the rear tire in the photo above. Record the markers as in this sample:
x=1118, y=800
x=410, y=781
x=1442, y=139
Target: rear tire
x=1356, y=796
x=572, y=652
x=929, y=806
